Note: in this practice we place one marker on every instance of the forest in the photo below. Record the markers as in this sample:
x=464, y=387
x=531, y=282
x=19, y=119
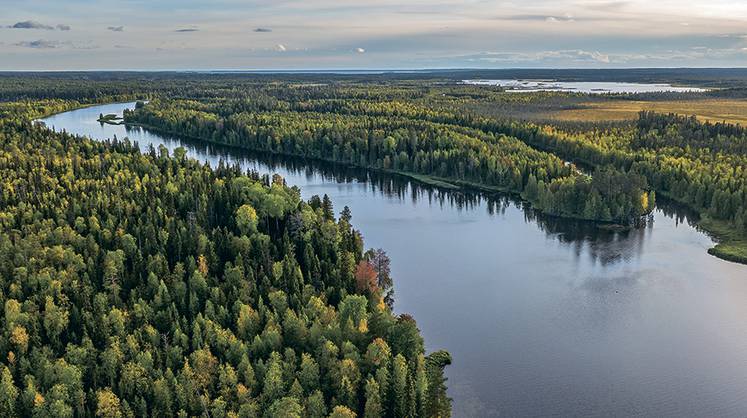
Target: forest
x=436, y=130
x=373, y=135
x=138, y=283
x=453, y=135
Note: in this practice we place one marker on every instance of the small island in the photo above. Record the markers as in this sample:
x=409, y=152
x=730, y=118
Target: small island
x=110, y=119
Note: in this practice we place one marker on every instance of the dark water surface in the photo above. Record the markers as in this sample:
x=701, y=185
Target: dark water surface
x=543, y=317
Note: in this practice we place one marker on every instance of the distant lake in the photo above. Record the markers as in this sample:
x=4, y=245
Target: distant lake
x=543, y=316
x=528, y=86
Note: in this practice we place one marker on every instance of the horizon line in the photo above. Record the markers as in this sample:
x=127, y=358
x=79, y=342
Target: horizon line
x=364, y=70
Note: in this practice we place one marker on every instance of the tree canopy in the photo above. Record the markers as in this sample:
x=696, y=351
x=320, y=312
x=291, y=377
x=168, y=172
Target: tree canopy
x=137, y=283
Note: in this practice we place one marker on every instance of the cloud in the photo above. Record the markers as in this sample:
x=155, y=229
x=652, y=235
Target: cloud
x=51, y=44
x=574, y=57
x=360, y=50
x=84, y=45
x=540, y=18
x=30, y=24
x=594, y=56
x=609, y=6
x=280, y=48
x=446, y=34
x=40, y=44
x=560, y=56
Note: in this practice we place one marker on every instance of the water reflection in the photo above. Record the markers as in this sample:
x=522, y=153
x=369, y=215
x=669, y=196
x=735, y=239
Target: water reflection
x=604, y=245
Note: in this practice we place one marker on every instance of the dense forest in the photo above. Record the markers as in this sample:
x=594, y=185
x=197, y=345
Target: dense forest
x=138, y=283
x=699, y=164
x=466, y=136
x=388, y=138
x=433, y=128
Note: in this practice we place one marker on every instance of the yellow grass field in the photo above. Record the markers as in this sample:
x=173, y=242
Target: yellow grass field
x=714, y=110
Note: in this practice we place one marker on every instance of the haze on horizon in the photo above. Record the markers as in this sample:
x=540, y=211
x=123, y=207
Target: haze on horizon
x=333, y=34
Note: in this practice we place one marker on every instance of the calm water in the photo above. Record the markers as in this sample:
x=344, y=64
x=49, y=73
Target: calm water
x=543, y=317
x=528, y=86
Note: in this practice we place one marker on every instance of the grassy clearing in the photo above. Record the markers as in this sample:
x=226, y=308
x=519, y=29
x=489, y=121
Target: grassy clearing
x=732, y=244
x=713, y=110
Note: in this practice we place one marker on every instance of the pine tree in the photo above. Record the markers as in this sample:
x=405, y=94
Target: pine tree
x=373, y=407
x=315, y=407
x=328, y=211
x=400, y=377
x=8, y=394
x=439, y=404
x=107, y=404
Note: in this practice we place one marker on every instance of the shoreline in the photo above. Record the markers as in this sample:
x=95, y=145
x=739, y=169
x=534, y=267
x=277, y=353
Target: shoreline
x=729, y=245
x=435, y=181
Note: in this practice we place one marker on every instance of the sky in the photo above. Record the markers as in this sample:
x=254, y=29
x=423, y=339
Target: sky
x=370, y=34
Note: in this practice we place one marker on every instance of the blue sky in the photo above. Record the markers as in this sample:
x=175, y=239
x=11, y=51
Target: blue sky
x=328, y=34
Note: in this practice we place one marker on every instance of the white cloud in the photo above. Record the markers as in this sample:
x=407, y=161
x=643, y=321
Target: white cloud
x=418, y=33
x=595, y=55
x=519, y=58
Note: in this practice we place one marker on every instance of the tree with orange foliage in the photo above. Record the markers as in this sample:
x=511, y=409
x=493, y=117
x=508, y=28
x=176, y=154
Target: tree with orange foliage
x=380, y=262
x=365, y=277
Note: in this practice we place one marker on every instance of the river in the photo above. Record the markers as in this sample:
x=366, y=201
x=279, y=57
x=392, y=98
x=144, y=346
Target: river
x=543, y=317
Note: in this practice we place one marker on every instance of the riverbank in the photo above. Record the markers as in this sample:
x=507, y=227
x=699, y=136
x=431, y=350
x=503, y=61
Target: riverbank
x=435, y=181
x=76, y=105
x=731, y=244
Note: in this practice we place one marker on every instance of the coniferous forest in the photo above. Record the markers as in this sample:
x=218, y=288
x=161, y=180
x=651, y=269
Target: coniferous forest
x=139, y=282
x=451, y=134
x=373, y=208
x=375, y=135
